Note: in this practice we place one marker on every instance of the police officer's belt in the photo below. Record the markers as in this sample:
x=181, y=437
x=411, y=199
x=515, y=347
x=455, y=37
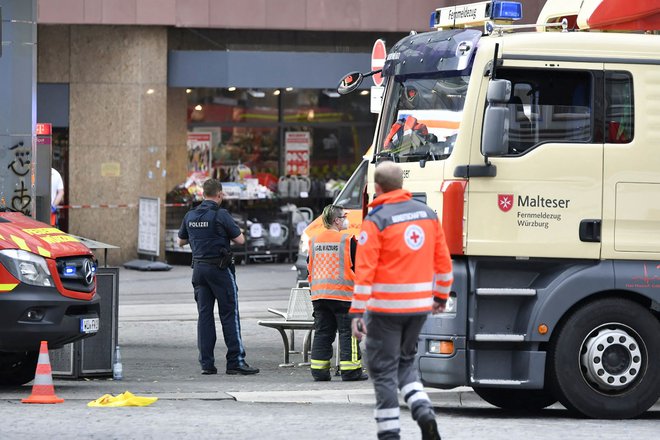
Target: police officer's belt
x=223, y=262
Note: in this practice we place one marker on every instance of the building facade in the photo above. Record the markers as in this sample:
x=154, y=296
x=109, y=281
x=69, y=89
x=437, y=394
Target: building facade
x=124, y=81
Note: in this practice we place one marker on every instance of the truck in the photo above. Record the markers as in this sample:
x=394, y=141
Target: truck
x=537, y=147
x=47, y=293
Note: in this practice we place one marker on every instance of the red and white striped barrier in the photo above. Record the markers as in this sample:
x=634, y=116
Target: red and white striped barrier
x=117, y=205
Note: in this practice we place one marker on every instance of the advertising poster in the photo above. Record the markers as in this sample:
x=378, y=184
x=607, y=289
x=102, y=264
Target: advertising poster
x=149, y=226
x=199, y=154
x=297, y=145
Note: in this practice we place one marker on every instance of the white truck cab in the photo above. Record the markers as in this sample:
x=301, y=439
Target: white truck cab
x=537, y=145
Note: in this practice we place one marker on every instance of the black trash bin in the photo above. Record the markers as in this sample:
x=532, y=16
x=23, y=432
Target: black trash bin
x=93, y=356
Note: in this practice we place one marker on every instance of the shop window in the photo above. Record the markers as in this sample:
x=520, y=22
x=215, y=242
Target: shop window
x=249, y=128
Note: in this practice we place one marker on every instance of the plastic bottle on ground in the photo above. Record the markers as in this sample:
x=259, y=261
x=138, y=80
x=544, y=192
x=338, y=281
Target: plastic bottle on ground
x=117, y=368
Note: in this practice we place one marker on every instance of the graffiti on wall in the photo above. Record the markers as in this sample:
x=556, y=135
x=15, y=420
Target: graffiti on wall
x=19, y=178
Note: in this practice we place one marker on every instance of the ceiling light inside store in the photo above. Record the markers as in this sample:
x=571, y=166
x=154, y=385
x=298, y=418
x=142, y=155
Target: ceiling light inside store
x=256, y=93
x=150, y=91
x=198, y=107
x=276, y=92
x=231, y=89
x=364, y=92
x=188, y=91
x=288, y=89
x=331, y=93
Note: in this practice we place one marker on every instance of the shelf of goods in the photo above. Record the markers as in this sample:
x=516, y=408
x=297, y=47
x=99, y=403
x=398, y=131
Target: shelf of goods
x=272, y=229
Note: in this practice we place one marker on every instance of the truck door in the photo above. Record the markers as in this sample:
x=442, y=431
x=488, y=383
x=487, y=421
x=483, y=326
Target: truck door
x=631, y=219
x=545, y=199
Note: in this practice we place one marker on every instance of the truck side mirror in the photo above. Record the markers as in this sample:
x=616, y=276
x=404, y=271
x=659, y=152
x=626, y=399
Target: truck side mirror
x=495, y=135
x=499, y=91
x=349, y=83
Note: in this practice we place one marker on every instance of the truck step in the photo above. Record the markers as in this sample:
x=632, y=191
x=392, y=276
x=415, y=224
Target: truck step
x=505, y=291
x=499, y=337
x=507, y=382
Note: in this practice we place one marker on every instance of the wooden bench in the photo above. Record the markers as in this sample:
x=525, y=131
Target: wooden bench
x=298, y=316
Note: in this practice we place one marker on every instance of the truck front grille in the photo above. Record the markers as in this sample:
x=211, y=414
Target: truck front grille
x=77, y=273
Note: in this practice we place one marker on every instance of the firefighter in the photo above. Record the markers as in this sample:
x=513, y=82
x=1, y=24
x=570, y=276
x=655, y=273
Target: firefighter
x=209, y=230
x=403, y=272
x=331, y=257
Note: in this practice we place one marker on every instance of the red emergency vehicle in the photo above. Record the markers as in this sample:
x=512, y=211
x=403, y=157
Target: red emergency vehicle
x=47, y=293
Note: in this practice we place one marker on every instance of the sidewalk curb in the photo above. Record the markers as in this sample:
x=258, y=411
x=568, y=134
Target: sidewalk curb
x=220, y=395
x=454, y=397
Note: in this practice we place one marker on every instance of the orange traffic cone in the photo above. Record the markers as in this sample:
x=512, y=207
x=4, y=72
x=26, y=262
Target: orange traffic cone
x=42, y=388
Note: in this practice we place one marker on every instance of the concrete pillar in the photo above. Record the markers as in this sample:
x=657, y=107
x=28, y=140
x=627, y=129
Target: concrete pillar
x=18, y=110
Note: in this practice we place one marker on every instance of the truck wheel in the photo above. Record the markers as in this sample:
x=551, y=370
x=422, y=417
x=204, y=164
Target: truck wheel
x=604, y=360
x=17, y=368
x=516, y=399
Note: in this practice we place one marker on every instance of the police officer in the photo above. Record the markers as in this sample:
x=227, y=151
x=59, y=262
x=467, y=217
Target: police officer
x=331, y=256
x=403, y=272
x=209, y=230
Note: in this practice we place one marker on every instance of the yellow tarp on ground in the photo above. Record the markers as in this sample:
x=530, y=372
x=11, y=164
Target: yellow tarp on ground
x=124, y=399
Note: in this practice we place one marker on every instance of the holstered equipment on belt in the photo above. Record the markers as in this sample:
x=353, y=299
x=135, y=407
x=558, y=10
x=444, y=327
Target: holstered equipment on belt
x=225, y=260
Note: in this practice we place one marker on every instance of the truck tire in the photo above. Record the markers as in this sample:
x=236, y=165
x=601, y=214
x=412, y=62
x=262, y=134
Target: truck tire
x=516, y=399
x=604, y=360
x=17, y=368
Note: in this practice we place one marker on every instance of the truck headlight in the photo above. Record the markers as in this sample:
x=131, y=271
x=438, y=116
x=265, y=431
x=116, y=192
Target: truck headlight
x=26, y=267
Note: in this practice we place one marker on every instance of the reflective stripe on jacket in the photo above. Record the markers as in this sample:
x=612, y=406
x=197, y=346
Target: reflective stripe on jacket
x=402, y=260
x=330, y=272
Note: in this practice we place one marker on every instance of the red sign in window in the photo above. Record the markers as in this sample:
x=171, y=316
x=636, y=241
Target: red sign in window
x=44, y=129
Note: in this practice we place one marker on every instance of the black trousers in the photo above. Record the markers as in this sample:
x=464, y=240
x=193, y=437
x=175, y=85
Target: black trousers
x=211, y=285
x=331, y=316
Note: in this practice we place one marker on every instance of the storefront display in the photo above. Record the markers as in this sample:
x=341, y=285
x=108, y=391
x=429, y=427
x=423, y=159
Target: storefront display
x=278, y=153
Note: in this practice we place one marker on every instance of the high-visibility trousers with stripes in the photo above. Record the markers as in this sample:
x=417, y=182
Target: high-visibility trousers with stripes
x=331, y=317
x=391, y=345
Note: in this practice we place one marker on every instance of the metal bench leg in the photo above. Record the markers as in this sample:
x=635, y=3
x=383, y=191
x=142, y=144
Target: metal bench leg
x=285, y=340
x=307, y=348
x=292, y=342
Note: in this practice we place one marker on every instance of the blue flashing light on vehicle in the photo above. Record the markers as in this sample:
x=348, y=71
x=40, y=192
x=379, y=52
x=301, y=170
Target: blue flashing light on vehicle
x=69, y=271
x=475, y=14
x=506, y=11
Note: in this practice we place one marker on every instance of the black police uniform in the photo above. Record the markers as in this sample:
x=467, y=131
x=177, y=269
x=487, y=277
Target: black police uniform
x=209, y=229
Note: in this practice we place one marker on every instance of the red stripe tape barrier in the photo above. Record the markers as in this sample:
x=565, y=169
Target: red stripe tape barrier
x=118, y=205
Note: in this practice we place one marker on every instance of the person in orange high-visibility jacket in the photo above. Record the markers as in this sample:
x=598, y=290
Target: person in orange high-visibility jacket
x=403, y=272
x=331, y=278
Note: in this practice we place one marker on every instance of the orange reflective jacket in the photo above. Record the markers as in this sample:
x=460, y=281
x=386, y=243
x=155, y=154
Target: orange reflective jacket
x=330, y=272
x=402, y=259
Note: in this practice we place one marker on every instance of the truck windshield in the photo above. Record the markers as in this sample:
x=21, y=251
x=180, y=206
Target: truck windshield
x=421, y=118
x=351, y=196
x=427, y=76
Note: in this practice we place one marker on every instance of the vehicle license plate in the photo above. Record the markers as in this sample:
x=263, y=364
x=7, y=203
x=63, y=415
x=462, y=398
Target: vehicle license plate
x=90, y=325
